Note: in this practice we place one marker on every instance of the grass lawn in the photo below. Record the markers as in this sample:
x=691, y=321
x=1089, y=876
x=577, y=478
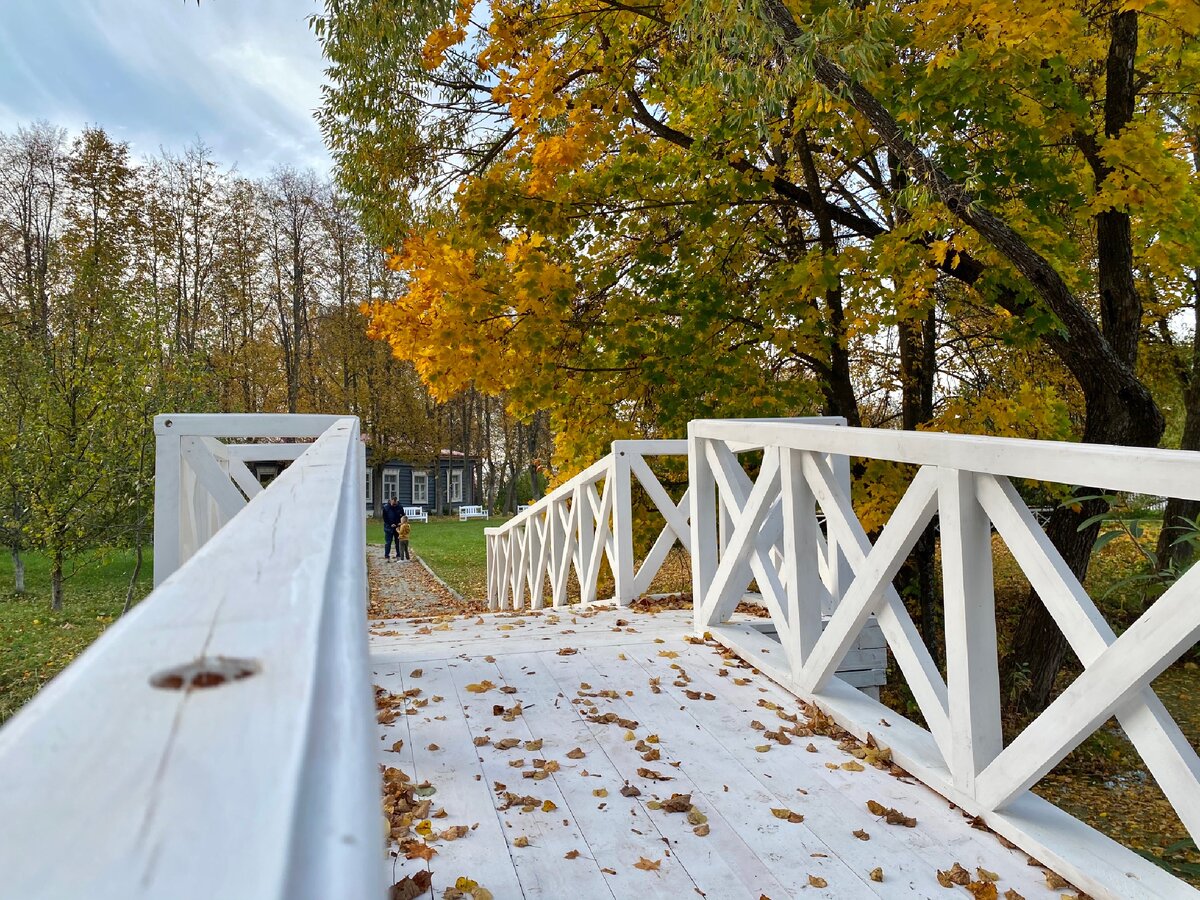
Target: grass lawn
x=36, y=643
x=454, y=549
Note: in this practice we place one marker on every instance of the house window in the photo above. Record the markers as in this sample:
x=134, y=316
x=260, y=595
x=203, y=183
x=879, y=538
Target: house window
x=454, y=488
x=370, y=488
x=420, y=488
x=267, y=474
x=391, y=484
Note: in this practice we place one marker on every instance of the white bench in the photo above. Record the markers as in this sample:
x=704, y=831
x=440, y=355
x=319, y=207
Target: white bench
x=471, y=512
x=416, y=514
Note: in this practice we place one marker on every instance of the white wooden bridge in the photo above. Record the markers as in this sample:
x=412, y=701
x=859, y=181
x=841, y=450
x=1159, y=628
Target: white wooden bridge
x=220, y=741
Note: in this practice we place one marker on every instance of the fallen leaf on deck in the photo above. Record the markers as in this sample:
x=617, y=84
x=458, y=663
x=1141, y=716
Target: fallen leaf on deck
x=985, y=875
x=787, y=815
x=853, y=766
x=861, y=835
x=893, y=816
x=417, y=850
x=481, y=740
x=1055, y=881
x=398, y=746
x=415, y=673
x=678, y=803
x=647, y=865
x=567, y=651
x=506, y=743
x=548, y=806
x=701, y=830
x=1010, y=894
x=982, y=890
x=577, y=753
x=411, y=887
x=480, y=688
x=668, y=654
x=763, y=748
x=600, y=792
x=817, y=881
x=521, y=841
x=630, y=791
x=695, y=817
x=956, y=874
x=534, y=745
x=811, y=748
x=433, y=747
x=454, y=832
x=425, y=829
x=650, y=773
x=571, y=854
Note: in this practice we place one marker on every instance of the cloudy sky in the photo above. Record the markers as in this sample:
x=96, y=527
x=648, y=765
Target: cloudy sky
x=243, y=75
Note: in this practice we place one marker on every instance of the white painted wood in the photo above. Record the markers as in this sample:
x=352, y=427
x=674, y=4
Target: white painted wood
x=271, y=776
x=1143, y=471
x=972, y=668
x=245, y=425
x=265, y=452
x=168, y=491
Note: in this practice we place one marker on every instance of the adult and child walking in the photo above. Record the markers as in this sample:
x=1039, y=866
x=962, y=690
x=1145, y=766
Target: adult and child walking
x=395, y=530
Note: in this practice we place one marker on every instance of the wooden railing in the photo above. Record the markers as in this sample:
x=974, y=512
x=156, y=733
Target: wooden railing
x=581, y=523
x=773, y=537
x=219, y=740
x=201, y=482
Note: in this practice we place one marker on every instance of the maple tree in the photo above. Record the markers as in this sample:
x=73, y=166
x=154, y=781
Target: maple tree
x=639, y=214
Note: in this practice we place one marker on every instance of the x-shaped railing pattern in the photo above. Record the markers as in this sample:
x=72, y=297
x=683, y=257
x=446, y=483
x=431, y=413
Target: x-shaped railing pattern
x=772, y=537
x=583, y=523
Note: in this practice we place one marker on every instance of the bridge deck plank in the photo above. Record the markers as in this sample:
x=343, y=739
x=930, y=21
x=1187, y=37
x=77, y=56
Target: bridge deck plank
x=748, y=852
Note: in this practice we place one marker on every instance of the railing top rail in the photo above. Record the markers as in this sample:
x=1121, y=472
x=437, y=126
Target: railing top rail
x=1171, y=473
x=259, y=786
x=244, y=425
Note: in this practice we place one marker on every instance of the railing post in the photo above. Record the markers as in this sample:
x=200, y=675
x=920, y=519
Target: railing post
x=972, y=674
x=622, y=518
x=168, y=491
x=704, y=525
x=799, y=570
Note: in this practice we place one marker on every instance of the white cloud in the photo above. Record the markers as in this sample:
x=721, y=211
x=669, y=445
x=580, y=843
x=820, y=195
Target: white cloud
x=244, y=77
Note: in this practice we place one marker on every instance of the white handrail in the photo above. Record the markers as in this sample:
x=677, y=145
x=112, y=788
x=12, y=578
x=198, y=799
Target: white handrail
x=262, y=784
x=201, y=483
x=775, y=540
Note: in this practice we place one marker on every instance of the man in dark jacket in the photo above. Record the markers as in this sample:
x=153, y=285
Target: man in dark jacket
x=392, y=513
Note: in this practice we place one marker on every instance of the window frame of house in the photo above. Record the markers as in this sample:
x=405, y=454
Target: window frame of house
x=391, y=476
x=454, y=486
x=421, y=478
x=370, y=489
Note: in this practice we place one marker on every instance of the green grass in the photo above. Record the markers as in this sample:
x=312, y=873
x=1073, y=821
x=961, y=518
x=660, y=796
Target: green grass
x=454, y=549
x=37, y=643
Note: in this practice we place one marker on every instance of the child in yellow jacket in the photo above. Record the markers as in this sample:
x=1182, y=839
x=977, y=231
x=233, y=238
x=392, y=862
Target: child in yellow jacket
x=402, y=534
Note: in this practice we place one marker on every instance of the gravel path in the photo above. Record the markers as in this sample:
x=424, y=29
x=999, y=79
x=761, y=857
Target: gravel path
x=403, y=589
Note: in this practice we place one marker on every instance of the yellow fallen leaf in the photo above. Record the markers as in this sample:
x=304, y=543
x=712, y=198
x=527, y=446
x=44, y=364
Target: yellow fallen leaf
x=425, y=829
x=571, y=854
x=852, y=766
x=668, y=654
x=480, y=688
x=876, y=874
x=985, y=875
x=521, y=841
x=817, y=881
x=548, y=806
x=647, y=865
x=600, y=792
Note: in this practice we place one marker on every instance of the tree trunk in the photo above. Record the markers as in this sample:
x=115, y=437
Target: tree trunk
x=56, y=577
x=18, y=569
x=1170, y=553
x=918, y=370
x=137, y=570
